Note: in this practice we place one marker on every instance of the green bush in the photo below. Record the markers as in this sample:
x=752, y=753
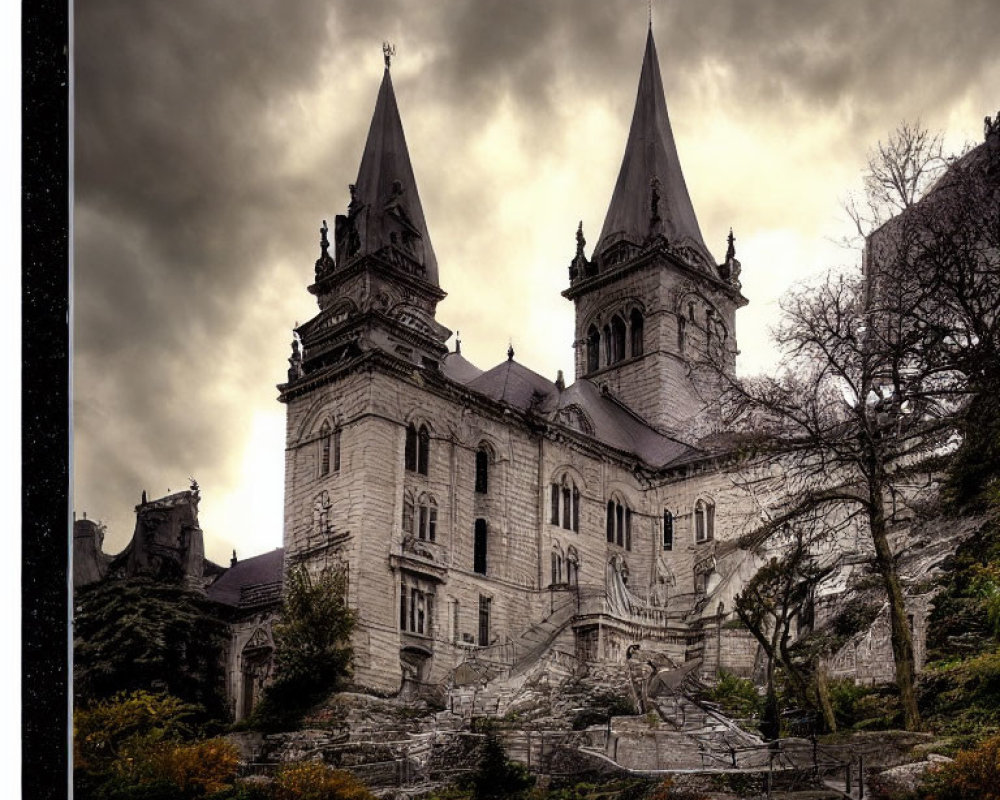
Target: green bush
x=737, y=696
x=498, y=778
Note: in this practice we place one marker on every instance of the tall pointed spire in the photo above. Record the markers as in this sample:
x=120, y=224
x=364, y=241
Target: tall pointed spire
x=385, y=206
x=651, y=155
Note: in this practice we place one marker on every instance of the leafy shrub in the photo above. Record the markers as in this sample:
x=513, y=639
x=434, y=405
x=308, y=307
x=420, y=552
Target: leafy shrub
x=313, y=650
x=313, y=780
x=103, y=729
x=737, y=696
x=964, y=696
x=195, y=769
x=973, y=775
x=146, y=635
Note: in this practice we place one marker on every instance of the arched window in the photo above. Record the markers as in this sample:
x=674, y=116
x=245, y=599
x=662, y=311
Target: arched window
x=423, y=449
x=704, y=521
x=635, y=323
x=336, y=450
x=479, y=548
x=324, y=449
x=619, y=524
x=410, y=460
x=427, y=527
x=668, y=531
x=606, y=341
x=482, y=470
x=593, y=349
x=565, y=504
x=557, y=565
x=617, y=339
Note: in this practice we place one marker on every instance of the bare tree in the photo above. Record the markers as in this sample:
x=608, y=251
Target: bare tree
x=881, y=368
x=899, y=171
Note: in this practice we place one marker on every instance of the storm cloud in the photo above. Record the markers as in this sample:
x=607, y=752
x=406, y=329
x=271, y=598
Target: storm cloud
x=213, y=137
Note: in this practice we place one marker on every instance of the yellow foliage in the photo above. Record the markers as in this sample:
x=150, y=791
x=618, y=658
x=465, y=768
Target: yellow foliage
x=196, y=768
x=973, y=775
x=312, y=780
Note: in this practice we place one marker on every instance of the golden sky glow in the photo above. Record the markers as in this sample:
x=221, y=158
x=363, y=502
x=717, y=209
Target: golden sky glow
x=213, y=138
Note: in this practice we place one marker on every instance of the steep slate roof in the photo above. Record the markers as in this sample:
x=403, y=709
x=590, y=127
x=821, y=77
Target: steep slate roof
x=612, y=424
x=517, y=386
x=459, y=368
x=266, y=568
x=386, y=159
x=650, y=151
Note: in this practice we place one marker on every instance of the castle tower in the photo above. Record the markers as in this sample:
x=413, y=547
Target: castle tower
x=655, y=315
x=355, y=383
x=381, y=289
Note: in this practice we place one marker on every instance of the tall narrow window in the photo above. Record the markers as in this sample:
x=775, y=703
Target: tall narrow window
x=482, y=470
x=628, y=528
x=567, y=498
x=324, y=454
x=422, y=529
x=554, y=516
x=606, y=341
x=617, y=339
x=432, y=521
x=576, y=509
x=411, y=448
x=455, y=635
x=479, y=548
x=710, y=520
x=611, y=522
x=619, y=524
x=668, y=531
x=636, y=323
x=554, y=578
x=484, y=620
x=699, y=521
x=336, y=450
x=593, y=349
x=423, y=449
x=402, y=608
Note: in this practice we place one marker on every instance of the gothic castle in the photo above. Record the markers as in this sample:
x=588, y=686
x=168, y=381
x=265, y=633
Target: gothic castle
x=492, y=512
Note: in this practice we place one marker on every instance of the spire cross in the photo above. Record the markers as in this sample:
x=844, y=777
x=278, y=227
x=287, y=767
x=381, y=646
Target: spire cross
x=388, y=51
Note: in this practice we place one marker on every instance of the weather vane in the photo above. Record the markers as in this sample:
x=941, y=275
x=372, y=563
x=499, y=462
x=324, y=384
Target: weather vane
x=388, y=51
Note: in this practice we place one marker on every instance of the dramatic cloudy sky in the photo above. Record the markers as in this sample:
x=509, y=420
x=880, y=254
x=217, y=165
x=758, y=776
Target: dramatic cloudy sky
x=213, y=136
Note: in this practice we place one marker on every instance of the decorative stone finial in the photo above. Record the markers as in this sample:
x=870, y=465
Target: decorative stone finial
x=194, y=486
x=458, y=342
x=731, y=249
x=510, y=351
x=324, y=264
x=295, y=360
x=580, y=241
x=388, y=51
x=143, y=501
x=232, y=561
x=560, y=382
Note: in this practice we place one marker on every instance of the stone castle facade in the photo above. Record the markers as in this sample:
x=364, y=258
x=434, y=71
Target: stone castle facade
x=471, y=508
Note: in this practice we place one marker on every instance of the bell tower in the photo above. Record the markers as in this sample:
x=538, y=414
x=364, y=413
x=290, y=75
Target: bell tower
x=655, y=314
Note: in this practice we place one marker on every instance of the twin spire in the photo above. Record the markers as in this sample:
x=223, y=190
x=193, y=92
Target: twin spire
x=650, y=196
